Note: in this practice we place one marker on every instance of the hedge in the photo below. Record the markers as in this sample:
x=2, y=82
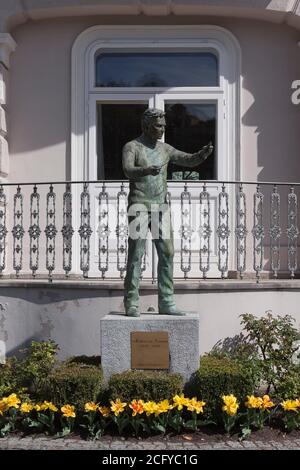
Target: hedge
x=146, y=385
x=75, y=384
x=217, y=377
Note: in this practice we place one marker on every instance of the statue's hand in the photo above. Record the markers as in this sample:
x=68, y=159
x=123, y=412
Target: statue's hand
x=206, y=150
x=152, y=170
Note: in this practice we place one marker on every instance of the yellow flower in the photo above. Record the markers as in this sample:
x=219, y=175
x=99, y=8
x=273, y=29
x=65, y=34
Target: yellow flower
x=230, y=406
x=117, y=406
x=150, y=407
x=195, y=405
x=290, y=405
x=68, y=411
x=180, y=401
x=266, y=402
x=13, y=401
x=164, y=406
x=52, y=407
x=91, y=406
x=254, y=402
x=3, y=406
x=26, y=407
x=44, y=406
x=104, y=410
x=137, y=407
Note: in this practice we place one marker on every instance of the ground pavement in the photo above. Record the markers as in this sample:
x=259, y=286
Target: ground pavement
x=180, y=443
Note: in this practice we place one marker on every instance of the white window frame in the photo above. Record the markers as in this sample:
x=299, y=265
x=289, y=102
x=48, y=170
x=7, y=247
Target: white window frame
x=151, y=38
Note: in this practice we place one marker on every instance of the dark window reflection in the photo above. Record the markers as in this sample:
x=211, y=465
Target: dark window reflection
x=156, y=69
x=190, y=127
x=117, y=124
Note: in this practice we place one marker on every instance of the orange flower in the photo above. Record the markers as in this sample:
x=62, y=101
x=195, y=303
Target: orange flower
x=137, y=407
x=266, y=402
x=104, y=410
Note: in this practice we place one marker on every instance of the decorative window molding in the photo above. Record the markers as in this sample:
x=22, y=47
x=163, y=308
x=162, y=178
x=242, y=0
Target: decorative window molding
x=107, y=38
x=176, y=38
x=7, y=46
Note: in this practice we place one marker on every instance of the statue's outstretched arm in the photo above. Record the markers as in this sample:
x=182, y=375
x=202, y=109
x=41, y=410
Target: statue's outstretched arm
x=189, y=159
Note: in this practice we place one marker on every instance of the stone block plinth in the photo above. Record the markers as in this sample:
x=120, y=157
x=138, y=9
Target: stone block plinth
x=183, y=333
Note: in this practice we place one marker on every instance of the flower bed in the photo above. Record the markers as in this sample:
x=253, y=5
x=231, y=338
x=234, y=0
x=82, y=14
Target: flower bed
x=142, y=418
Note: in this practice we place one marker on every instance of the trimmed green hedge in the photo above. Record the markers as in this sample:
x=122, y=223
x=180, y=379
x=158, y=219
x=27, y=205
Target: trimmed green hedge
x=146, y=385
x=216, y=377
x=74, y=384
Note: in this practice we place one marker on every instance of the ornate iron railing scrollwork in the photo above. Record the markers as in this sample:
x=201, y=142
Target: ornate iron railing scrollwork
x=85, y=230
x=292, y=231
x=241, y=231
x=50, y=232
x=3, y=230
x=103, y=231
x=34, y=231
x=258, y=232
x=223, y=231
x=185, y=232
x=67, y=230
x=122, y=231
x=18, y=232
x=205, y=231
x=275, y=231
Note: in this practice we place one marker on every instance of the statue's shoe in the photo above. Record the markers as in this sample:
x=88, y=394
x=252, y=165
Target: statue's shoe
x=171, y=310
x=132, y=312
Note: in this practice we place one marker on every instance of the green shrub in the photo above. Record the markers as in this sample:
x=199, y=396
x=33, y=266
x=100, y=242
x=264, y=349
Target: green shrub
x=39, y=360
x=216, y=377
x=89, y=360
x=9, y=380
x=73, y=384
x=145, y=385
x=276, y=341
x=26, y=374
x=289, y=387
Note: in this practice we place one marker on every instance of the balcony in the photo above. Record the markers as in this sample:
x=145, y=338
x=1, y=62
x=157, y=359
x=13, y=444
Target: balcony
x=78, y=231
x=63, y=250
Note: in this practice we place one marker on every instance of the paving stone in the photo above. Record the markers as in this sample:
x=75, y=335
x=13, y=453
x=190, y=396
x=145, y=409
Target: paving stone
x=115, y=443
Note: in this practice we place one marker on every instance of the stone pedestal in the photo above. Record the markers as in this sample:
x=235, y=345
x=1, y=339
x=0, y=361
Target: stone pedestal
x=183, y=335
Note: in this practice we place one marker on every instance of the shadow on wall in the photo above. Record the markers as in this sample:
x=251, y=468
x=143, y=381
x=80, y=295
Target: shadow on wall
x=271, y=112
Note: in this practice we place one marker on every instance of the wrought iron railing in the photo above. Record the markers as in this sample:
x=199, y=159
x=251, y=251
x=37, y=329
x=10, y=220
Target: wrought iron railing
x=226, y=229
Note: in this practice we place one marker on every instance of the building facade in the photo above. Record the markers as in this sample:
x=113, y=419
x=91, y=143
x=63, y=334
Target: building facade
x=74, y=80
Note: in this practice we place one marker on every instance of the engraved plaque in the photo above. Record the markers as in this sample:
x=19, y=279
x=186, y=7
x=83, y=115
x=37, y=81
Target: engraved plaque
x=149, y=350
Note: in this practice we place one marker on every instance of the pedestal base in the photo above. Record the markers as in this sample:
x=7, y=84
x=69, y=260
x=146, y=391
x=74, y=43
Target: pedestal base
x=183, y=341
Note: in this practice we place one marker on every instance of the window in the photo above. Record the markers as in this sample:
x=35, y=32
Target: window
x=190, y=125
x=156, y=69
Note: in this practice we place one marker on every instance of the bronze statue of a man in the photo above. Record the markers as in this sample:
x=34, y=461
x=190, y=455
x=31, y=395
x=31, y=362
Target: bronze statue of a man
x=145, y=162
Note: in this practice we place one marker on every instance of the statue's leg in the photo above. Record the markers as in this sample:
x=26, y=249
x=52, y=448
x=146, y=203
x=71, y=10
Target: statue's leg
x=136, y=250
x=165, y=252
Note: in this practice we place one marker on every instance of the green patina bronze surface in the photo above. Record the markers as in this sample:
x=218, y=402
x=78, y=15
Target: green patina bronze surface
x=145, y=162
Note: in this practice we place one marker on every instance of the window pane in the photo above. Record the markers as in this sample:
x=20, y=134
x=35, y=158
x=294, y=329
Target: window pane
x=156, y=69
x=117, y=125
x=189, y=128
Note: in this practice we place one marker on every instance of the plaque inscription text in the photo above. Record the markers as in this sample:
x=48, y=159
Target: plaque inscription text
x=149, y=350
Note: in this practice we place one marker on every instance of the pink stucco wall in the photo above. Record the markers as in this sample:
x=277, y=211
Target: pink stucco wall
x=40, y=96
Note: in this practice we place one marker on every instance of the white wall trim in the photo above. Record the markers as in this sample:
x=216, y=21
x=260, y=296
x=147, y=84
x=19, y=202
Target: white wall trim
x=7, y=46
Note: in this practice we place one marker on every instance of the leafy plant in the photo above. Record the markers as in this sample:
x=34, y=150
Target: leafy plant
x=218, y=376
x=26, y=374
x=275, y=340
x=147, y=385
x=76, y=384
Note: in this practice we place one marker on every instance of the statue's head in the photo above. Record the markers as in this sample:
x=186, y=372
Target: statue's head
x=154, y=123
